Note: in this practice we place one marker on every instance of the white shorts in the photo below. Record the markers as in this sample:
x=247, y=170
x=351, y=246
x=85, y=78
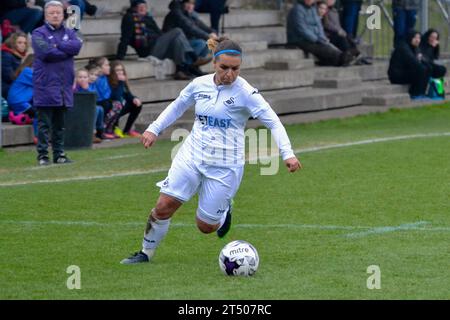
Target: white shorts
x=216, y=186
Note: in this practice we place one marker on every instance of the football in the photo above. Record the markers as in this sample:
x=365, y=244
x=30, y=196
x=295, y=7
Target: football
x=239, y=258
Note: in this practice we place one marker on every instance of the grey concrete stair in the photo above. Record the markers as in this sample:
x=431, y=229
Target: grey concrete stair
x=392, y=99
x=338, y=83
x=13, y=135
x=110, y=24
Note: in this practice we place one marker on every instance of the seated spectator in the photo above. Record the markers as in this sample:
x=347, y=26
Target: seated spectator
x=183, y=16
x=405, y=16
x=350, y=16
x=407, y=66
x=120, y=88
x=304, y=30
x=82, y=84
x=429, y=47
x=20, y=96
x=111, y=110
x=85, y=7
x=21, y=13
x=215, y=8
x=140, y=31
x=333, y=30
x=13, y=51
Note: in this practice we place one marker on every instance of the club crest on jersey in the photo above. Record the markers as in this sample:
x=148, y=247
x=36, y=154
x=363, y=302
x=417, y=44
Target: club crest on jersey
x=229, y=102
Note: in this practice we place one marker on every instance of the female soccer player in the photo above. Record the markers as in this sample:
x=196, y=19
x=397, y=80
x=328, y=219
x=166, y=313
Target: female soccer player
x=211, y=160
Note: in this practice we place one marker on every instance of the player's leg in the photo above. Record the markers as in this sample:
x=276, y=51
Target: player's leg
x=215, y=196
x=180, y=185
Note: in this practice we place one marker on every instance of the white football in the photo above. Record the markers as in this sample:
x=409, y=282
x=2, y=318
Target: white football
x=239, y=258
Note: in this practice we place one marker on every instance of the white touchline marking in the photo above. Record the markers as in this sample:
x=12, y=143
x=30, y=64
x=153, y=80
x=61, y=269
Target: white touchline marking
x=380, y=230
x=417, y=226
x=160, y=170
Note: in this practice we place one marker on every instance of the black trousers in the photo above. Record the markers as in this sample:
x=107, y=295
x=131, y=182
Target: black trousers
x=327, y=54
x=51, y=120
x=133, y=110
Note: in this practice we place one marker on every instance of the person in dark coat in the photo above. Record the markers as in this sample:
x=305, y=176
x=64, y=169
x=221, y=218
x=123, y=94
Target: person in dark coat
x=405, y=16
x=53, y=76
x=21, y=13
x=304, y=30
x=13, y=51
x=140, y=31
x=429, y=47
x=407, y=66
x=183, y=16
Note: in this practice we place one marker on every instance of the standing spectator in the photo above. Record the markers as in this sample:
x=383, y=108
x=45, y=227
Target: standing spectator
x=140, y=31
x=215, y=8
x=333, y=30
x=429, y=47
x=350, y=16
x=121, y=92
x=53, y=73
x=407, y=66
x=21, y=13
x=13, y=51
x=405, y=16
x=304, y=30
x=183, y=16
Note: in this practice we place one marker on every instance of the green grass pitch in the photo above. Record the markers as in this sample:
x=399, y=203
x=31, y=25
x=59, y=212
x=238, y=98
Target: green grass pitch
x=384, y=203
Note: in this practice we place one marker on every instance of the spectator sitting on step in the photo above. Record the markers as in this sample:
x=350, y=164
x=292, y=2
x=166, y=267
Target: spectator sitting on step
x=407, y=66
x=183, y=16
x=429, y=47
x=82, y=84
x=20, y=96
x=21, y=13
x=333, y=30
x=118, y=80
x=14, y=49
x=140, y=31
x=304, y=30
x=103, y=89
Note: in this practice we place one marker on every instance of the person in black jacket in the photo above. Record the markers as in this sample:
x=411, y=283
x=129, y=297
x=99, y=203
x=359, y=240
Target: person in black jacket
x=429, y=47
x=140, y=31
x=21, y=13
x=183, y=16
x=407, y=66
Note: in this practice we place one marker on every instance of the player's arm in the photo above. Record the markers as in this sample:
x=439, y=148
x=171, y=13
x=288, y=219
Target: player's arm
x=174, y=111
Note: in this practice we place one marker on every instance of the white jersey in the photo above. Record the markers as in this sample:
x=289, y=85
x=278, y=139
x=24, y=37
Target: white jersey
x=221, y=114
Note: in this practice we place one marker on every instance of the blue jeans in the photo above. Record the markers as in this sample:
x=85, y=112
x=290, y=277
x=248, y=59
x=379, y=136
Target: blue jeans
x=99, y=116
x=81, y=4
x=350, y=18
x=26, y=18
x=200, y=47
x=404, y=21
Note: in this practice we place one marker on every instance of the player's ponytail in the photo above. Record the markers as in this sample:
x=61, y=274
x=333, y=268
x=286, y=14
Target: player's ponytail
x=224, y=45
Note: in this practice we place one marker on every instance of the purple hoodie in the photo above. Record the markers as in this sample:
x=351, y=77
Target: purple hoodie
x=53, y=67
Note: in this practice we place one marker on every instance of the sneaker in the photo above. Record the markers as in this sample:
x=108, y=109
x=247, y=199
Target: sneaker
x=44, y=161
x=35, y=140
x=137, y=257
x=118, y=132
x=108, y=136
x=223, y=230
x=62, y=159
x=132, y=134
x=96, y=139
